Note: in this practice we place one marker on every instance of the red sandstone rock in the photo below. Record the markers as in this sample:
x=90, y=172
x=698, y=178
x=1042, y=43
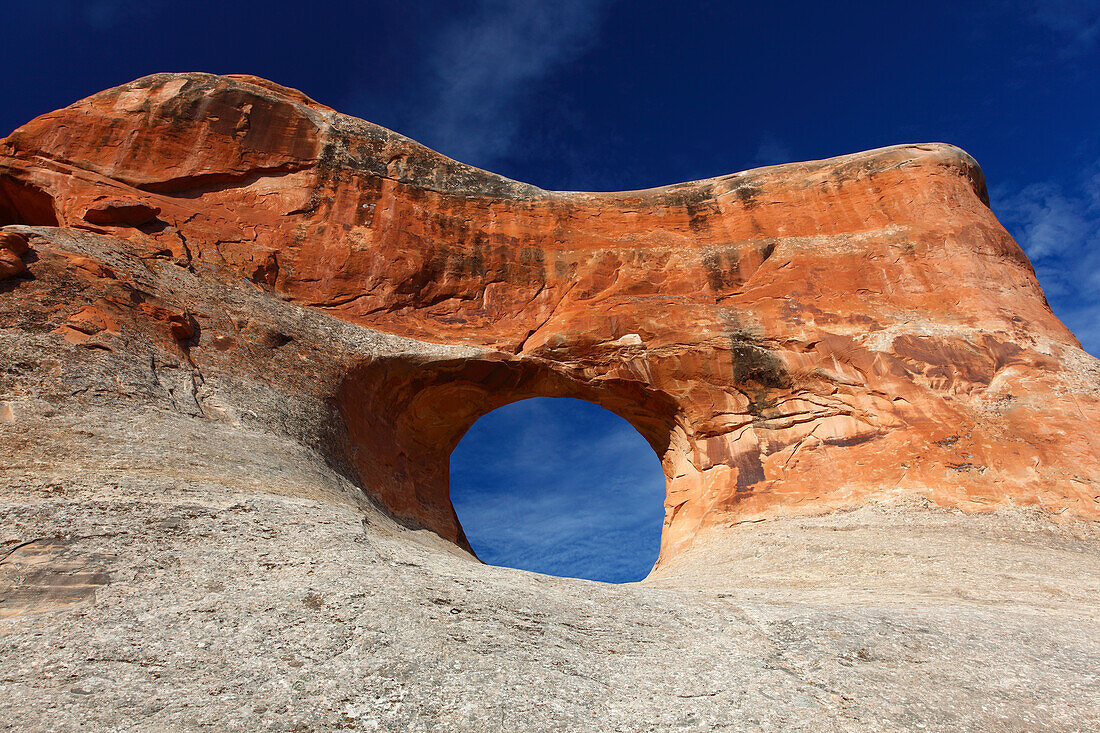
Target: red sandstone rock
x=12, y=245
x=120, y=213
x=179, y=324
x=92, y=267
x=13, y=242
x=10, y=264
x=790, y=340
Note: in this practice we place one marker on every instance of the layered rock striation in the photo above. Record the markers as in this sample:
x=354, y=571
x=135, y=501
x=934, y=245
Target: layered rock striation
x=790, y=340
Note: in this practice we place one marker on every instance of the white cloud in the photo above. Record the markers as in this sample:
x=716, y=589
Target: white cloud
x=483, y=66
x=1050, y=222
x=1059, y=229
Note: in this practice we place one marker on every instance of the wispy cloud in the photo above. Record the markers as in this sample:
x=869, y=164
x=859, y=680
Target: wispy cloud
x=484, y=65
x=1059, y=228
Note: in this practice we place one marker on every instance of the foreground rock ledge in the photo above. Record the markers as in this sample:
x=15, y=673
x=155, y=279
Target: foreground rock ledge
x=240, y=334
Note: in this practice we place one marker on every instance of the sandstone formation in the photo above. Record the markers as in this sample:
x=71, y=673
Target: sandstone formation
x=12, y=247
x=242, y=333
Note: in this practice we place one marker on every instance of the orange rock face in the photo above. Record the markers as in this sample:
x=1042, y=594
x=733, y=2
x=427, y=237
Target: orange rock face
x=792, y=339
x=12, y=246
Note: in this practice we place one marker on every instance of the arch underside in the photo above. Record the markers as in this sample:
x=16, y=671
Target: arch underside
x=404, y=419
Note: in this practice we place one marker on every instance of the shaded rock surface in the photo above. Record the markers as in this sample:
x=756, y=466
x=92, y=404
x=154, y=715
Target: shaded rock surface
x=228, y=398
x=12, y=247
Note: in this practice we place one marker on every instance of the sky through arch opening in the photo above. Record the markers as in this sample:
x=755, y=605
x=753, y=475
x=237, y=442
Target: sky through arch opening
x=560, y=486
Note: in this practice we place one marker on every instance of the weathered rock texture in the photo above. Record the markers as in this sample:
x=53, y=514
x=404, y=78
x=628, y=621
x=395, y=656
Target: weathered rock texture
x=240, y=334
x=789, y=339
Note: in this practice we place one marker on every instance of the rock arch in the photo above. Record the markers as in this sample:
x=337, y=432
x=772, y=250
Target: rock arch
x=404, y=418
x=790, y=340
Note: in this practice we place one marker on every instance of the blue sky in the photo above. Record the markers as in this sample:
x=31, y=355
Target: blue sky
x=560, y=486
x=617, y=94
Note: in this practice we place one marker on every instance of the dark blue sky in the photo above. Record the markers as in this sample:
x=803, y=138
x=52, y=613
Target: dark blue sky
x=606, y=94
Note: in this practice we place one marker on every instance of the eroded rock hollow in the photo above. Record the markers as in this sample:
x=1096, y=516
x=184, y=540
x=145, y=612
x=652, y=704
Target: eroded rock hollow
x=790, y=340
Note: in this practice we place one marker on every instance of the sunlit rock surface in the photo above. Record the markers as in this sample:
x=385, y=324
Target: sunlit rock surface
x=240, y=334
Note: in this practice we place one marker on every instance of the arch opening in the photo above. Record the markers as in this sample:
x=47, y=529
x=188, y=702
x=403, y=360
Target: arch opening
x=405, y=415
x=562, y=487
